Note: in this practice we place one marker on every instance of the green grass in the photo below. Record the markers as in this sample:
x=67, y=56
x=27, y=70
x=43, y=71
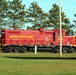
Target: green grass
x=39, y=64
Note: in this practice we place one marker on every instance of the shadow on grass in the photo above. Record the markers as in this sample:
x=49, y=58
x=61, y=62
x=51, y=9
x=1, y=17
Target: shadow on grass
x=63, y=58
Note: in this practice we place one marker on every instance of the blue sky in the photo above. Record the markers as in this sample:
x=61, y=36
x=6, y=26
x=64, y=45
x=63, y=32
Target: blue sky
x=68, y=6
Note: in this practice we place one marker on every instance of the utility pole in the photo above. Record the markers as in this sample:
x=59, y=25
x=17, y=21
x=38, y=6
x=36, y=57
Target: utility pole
x=60, y=29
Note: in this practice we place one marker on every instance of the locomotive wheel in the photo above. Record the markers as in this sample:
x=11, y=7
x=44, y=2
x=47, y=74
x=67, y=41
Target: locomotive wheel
x=64, y=50
x=15, y=49
x=22, y=49
x=9, y=48
x=4, y=50
x=57, y=49
x=68, y=49
x=53, y=50
x=71, y=50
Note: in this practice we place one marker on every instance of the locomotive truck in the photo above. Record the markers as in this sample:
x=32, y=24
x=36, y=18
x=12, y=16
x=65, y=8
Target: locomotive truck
x=25, y=40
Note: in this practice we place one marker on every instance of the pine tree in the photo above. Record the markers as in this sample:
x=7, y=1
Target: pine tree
x=3, y=9
x=74, y=25
x=36, y=16
x=54, y=19
x=16, y=14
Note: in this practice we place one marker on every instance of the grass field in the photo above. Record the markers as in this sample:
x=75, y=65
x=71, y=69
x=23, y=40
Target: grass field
x=39, y=64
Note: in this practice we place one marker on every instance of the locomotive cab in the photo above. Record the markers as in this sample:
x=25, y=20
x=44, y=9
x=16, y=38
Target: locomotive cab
x=57, y=37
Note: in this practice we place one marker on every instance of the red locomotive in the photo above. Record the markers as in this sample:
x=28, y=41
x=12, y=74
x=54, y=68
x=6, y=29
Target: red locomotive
x=24, y=40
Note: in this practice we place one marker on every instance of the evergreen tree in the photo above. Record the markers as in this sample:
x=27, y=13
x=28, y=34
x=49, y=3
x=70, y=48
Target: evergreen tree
x=36, y=16
x=16, y=14
x=3, y=9
x=54, y=19
x=74, y=25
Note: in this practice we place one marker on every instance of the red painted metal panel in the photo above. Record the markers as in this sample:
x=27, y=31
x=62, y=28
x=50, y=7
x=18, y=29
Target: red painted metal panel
x=28, y=37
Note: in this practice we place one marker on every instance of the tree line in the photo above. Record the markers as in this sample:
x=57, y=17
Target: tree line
x=14, y=15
